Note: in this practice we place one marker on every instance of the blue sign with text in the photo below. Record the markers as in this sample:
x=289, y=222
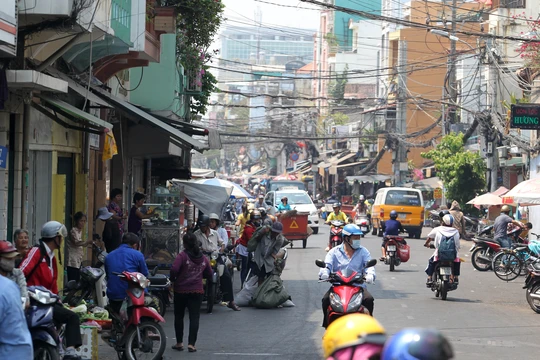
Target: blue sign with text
x=3, y=157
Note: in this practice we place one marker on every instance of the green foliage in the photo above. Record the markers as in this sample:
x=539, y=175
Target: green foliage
x=197, y=23
x=339, y=118
x=331, y=39
x=462, y=172
x=337, y=86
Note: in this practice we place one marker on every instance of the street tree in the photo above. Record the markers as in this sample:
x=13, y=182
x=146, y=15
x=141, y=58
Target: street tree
x=462, y=172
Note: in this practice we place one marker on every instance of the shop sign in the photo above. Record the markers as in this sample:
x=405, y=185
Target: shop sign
x=437, y=193
x=3, y=157
x=525, y=116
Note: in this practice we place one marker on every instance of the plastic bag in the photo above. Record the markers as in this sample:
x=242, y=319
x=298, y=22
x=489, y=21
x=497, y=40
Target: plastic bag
x=92, y=323
x=404, y=252
x=243, y=298
x=288, y=303
x=271, y=293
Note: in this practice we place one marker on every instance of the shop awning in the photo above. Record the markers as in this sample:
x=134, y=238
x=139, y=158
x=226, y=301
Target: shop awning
x=368, y=178
x=142, y=115
x=73, y=113
x=426, y=184
x=362, y=162
x=334, y=161
x=73, y=85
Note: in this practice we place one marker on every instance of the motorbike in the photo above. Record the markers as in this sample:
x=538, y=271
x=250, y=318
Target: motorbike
x=160, y=288
x=136, y=328
x=92, y=286
x=363, y=222
x=441, y=284
x=508, y=264
x=484, y=249
x=532, y=286
x=392, y=251
x=39, y=317
x=435, y=219
x=336, y=228
x=346, y=294
x=212, y=293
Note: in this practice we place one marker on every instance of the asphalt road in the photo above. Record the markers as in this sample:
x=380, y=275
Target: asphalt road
x=485, y=318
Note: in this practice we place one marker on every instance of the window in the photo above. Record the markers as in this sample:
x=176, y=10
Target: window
x=403, y=198
x=295, y=198
x=513, y=4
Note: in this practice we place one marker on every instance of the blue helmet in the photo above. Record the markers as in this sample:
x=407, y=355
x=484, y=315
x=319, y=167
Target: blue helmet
x=393, y=214
x=415, y=344
x=350, y=230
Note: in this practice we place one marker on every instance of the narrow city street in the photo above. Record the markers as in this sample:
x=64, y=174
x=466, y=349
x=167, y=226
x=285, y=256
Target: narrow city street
x=484, y=318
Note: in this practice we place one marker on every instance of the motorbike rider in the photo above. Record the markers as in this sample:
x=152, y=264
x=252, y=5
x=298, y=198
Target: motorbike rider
x=265, y=218
x=349, y=255
x=8, y=256
x=500, y=227
x=391, y=227
x=40, y=269
x=210, y=242
x=447, y=229
x=126, y=257
x=362, y=207
x=354, y=337
x=260, y=202
x=337, y=214
x=416, y=344
x=214, y=225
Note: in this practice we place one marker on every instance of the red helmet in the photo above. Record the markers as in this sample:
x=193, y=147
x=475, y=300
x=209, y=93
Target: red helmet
x=7, y=250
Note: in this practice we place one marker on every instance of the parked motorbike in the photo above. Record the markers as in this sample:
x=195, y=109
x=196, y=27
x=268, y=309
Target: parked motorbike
x=92, y=285
x=160, y=288
x=392, y=251
x=443, y=273
x=435, y=219
x=346, y=294
x=39, y=317
x=336, y=228
x=532, y=286
x=136, y=329
x=363, y=222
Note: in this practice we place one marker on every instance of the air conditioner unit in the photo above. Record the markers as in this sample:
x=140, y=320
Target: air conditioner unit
x=503, y=152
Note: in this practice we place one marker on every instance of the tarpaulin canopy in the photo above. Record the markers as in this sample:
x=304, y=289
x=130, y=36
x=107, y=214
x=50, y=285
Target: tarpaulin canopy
x=203, y=173
x=237, y=191
x=486, y=199
x=207, y=198
x=524, y=193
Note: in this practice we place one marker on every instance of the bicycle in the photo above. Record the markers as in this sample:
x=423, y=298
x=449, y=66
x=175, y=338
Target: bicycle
x=508, y=264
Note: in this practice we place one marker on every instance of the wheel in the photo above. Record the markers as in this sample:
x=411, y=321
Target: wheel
x=392, y=263
x=444, y=290
x=315, y=230
x=161, y=304
x=379, y=232
x=304, y=243
x=210, y=297
x=478, y=263
x=533, y=303
x=374, y=231
x=507, y=266
x=418, y=234
x=44, y=351
x=150, y=332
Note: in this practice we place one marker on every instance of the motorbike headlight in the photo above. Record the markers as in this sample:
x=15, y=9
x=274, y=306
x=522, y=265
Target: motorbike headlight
x=335, y=302
x=214, y=255
x=142, y=280
x=355, y=302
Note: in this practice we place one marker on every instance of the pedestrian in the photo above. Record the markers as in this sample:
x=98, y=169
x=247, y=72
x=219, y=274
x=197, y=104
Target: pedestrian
x=115, y=206
x=241, y=247
x=459, y=219
x=8, y=256
x=187, y=272
x=22, y=241
x=136, y=216
x=111, y=236
x=242, y=219
x=75, y=246
x=15, y=339
x=267, y=248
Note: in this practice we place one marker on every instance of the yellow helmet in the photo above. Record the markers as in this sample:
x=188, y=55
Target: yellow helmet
x=505, y=209
x=350, y=330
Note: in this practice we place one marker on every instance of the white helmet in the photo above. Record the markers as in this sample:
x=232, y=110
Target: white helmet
x=362, y=198
x=53, y=229
x=448, y=220
x=213, y=216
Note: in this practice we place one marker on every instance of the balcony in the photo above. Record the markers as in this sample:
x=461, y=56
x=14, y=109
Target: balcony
x=45, y=9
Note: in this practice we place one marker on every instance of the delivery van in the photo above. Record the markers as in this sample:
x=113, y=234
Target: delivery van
x=409, y=205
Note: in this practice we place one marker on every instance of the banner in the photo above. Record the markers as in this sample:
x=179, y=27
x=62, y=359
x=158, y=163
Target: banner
x=109, y=146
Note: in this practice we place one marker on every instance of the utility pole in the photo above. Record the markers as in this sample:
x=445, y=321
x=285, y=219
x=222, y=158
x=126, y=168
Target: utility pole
x=452, y=69
x=400, y=158
x=490, y=133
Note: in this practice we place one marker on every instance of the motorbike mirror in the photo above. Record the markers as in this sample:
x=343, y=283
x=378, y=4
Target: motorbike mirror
x=154, y=272
x=371, y=263
x=320, y=263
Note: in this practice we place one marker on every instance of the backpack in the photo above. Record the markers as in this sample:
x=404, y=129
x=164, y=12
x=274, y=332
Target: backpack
x=447, y=249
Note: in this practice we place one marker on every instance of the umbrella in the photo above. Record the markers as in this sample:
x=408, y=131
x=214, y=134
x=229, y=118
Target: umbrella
x=207, y=198
x=486, y=199
x=286, y=177
x=238, y=192
x=524, y=193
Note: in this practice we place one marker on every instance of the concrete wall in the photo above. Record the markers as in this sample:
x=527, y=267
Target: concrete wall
x=341, y=20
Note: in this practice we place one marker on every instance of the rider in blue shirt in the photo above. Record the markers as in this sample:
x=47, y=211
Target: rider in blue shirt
x=351, y=256
x=391, y=227
x=126, y=257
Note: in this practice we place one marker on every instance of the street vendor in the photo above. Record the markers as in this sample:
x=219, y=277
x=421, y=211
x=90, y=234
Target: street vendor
x=268, y=246
x=136, y=216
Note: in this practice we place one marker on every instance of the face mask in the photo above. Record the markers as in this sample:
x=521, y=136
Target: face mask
x=355, y=244
x=7, y=265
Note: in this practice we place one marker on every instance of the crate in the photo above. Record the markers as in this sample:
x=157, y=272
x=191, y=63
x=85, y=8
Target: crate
x=89, y=347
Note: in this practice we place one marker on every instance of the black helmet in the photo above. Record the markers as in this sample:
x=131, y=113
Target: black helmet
x=393, y=214
x=204, y=220
x=442, y=213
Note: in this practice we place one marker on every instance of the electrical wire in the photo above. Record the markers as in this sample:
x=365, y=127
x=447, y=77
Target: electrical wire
x=136, y=87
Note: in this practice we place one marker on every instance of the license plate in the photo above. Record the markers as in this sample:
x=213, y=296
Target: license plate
x=391, y=248
x=402, y=216
x=363, y=228
x=446, y=271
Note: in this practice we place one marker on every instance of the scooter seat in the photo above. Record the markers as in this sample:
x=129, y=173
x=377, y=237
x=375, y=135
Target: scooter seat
x=158, y=279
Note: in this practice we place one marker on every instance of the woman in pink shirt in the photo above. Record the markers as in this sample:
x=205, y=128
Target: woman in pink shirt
x=187, y=272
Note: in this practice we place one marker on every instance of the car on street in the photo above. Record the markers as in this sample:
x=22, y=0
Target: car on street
x=299, y=200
